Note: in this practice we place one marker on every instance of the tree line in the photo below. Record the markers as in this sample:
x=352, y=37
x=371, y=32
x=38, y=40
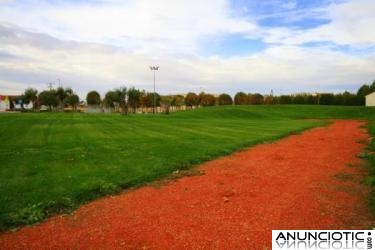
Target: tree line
x=131, y=99
x=55, y=99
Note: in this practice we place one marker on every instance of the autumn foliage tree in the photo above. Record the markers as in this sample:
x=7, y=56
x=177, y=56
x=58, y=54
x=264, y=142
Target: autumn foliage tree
x=191, y=99
x=207, y=100
x=256, y=99
x=241, y=98
x=145, y=100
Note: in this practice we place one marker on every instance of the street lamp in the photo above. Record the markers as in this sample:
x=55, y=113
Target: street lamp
x=126, y=97
x=154, y=68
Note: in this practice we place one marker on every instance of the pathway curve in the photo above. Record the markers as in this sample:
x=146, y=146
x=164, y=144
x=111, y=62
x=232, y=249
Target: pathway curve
x=309, y=181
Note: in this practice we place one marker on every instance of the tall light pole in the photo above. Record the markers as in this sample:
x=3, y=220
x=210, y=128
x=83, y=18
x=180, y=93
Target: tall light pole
x=154, y=68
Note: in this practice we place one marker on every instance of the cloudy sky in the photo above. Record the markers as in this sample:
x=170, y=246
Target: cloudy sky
x=215, y=46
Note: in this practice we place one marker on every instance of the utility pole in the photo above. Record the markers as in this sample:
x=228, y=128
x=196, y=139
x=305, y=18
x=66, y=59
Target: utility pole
x=50, y=85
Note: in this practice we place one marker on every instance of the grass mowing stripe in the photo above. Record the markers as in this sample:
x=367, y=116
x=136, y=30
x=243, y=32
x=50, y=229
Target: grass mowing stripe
x=53, y=162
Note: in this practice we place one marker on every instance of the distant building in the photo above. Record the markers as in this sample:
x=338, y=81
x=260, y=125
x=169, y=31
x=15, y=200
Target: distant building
x=370, y=100
x=13, y=103
x=4, y=103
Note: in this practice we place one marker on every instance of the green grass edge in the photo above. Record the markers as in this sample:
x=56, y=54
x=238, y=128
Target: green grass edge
x=38, y=212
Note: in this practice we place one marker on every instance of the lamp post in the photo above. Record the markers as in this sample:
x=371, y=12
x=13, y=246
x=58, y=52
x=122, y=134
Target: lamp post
x=126, y=104
x=154, y=68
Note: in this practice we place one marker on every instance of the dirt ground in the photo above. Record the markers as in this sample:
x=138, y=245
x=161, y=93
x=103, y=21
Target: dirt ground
x=309, y=181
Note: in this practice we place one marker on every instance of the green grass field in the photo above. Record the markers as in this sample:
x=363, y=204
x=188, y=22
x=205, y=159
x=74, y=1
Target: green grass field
x=53, y=162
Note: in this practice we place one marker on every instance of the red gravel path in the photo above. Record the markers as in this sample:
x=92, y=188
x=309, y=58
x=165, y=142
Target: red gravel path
x=307, y=181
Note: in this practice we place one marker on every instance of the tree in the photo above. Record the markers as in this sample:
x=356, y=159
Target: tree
x=298, y=99
x=30, y=95
x=225, y=99
x=347, y=99
x=207, y=100
x=62, y=94
x=309, y=99
x=48, y=98
x=178, y=101
x=72, y=100
x=191, y=99
x=269, y=99
x=166, y=102
x=11, y=104
x=241, y=99
x=134, y=98
x=155, y=99
x=93, y=98
x=200, y=97
x=112, y=98
x=364, y=90
x=285, y=99
x=122, y=93
x=146, y=99
x=327, y=99
x=256, y=99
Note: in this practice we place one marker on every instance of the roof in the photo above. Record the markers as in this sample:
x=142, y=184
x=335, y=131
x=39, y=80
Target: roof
x=11, y=97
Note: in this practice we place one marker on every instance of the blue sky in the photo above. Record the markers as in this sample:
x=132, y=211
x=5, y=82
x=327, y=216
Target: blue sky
x=213, y=45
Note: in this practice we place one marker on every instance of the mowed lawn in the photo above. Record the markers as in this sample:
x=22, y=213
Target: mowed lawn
x=53, y=162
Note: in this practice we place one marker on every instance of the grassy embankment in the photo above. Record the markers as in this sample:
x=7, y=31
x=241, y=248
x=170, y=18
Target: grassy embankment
x=53, y=162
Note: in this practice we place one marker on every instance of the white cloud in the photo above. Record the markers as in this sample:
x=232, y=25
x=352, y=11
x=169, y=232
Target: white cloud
x=89, y=66
x=137, y=25
x=103, y=46
x=350, y=25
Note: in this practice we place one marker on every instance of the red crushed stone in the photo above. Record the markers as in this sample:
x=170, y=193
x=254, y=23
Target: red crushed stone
x=308, y=181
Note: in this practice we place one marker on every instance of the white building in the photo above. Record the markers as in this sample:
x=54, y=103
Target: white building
x=370, y=100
